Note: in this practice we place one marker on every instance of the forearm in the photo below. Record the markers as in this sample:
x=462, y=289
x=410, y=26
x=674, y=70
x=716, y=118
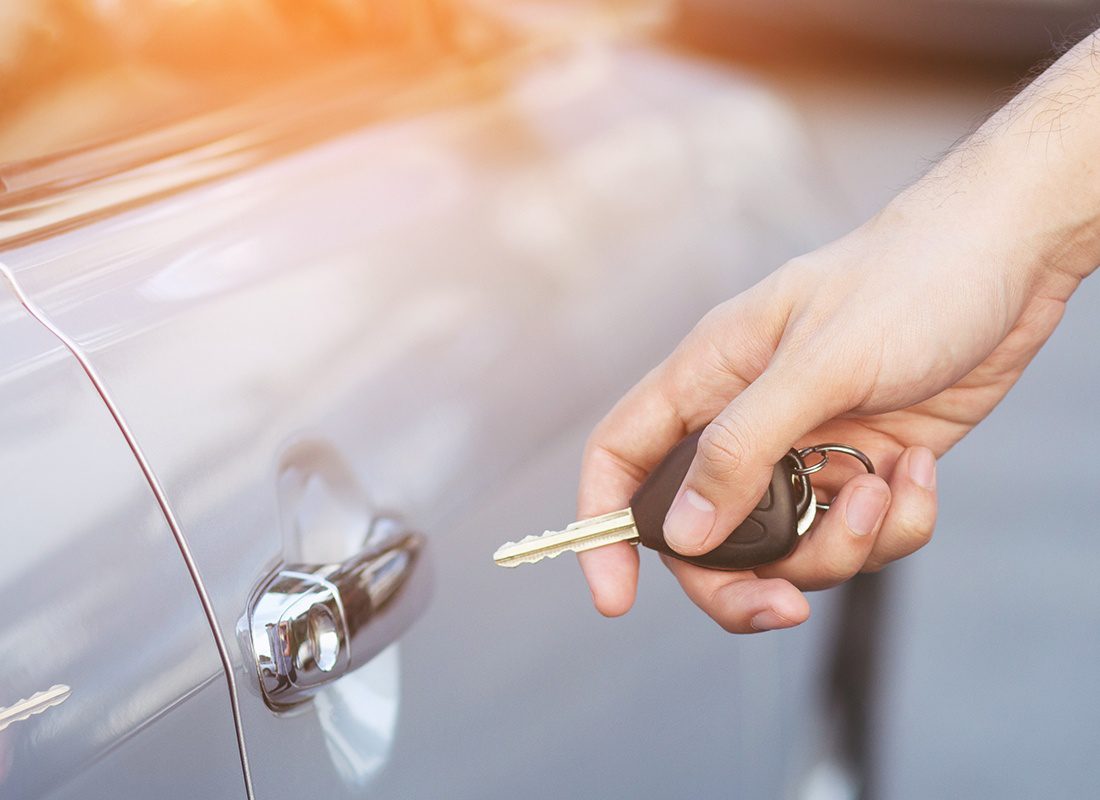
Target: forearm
x=1031, y=174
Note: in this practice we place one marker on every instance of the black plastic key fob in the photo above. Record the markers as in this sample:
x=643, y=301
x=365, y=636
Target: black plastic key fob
x=768, y=534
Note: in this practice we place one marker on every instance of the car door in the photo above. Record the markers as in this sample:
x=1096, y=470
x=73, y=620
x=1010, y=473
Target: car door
x=112, y=684
x=409, y=325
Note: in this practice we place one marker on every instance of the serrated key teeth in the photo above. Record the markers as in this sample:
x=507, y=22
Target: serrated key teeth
x=35, y=704
x=617, y=526
x=524, y=540
x=506, y=557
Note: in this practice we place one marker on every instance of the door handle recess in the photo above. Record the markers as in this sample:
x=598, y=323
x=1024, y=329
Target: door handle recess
x=307, y=625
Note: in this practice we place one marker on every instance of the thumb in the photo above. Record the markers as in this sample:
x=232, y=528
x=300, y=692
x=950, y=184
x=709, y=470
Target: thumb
x=736, y=455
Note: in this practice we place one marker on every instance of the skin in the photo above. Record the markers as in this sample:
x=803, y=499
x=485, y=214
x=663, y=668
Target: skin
x=897, y=338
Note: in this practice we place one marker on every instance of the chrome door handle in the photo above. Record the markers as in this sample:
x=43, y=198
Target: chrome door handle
x=308, y=625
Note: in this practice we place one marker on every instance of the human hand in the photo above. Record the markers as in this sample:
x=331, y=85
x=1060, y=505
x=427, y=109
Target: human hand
x=896, y=339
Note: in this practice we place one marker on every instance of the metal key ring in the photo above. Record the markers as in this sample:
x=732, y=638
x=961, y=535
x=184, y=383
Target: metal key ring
x=823, y=450
x=810, y=470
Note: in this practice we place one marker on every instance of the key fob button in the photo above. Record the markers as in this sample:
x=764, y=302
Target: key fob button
x=748, y=532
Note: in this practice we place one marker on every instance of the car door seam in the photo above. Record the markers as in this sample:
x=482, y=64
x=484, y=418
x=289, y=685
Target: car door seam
x=162, y=501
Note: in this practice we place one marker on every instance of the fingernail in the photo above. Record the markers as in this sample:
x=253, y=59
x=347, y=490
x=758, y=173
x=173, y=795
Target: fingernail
x=922, y=467
x=768, y=621
x=864, y=508
x=689, y=520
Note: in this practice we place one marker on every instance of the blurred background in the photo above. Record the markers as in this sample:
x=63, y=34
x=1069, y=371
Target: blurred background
x=103, y=68
x=969, y=670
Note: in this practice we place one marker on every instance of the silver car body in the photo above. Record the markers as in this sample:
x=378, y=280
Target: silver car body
x=439, y=303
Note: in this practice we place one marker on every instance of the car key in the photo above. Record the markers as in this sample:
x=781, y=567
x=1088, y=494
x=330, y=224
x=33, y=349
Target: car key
x=771, y=531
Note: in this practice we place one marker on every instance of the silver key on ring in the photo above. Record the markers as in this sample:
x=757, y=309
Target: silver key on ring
x=768, y=534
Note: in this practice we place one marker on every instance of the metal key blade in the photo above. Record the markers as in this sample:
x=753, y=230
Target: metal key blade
x=588, y=534
x=35, y=704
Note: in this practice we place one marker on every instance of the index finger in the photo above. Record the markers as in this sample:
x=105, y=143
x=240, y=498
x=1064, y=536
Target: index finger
x=625, y=447
x=622, y=450
x=680, y=395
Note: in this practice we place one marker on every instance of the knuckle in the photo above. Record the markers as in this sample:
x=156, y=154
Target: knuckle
x=827, y=569
x=716, y=604
x=713, y=323
x=901, y=538
x=730, y=625
x=592, y=447
x=800, y=263
x=792, y=278
x=729, y=621
x=836, y=568
x=597, y=440
x=912, y=534
x=721, y=450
